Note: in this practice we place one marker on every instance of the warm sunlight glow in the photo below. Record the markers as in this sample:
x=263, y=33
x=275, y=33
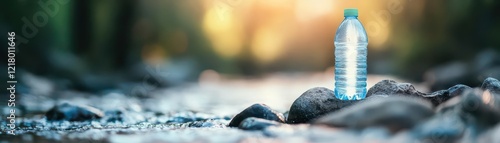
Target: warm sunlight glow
x=283, y=29
x=153, y=54
x=224, y=31
x=267, y=44
x=306, y=10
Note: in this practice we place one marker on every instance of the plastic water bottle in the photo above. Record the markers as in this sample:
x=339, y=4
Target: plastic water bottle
x=350, y=58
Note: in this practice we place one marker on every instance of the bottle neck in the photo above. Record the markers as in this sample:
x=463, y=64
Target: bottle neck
x=351, y=17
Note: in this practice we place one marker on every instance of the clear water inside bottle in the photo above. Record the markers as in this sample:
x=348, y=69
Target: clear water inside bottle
x=351, y=44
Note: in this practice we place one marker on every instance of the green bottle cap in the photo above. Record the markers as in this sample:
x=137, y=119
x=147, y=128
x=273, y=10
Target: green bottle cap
x=351, y=12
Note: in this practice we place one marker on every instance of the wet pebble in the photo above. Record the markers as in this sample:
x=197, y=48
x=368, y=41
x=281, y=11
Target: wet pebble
x=259, y=111
x=73, y=112
x=314, y=103
x=253, y=123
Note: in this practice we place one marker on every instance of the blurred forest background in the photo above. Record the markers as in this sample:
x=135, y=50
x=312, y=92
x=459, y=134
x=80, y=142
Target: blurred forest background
x=92, y=44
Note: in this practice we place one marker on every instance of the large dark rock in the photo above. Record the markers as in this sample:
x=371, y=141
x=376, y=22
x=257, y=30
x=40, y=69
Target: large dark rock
x=253, y=123
x=390, y=88
x=72, y=112
x=394, y=113
x=314, y=103
x=258, y=111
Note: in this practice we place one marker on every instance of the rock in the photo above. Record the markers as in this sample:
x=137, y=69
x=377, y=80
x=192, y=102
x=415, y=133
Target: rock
x=253, y=123
x=454, y=93
x=394, y=113
x=442, y=96
x=492, y=92
x=480, y=107
x=390, y=87
x=449, y=105
x=457, y=90
x=286, y=115
x=72, y=112
x=314, y=103
x=447, y=127
x=259, y=111
x=476, y=107
x=491, y=84
x=114, y=116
